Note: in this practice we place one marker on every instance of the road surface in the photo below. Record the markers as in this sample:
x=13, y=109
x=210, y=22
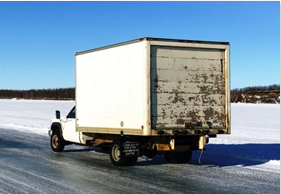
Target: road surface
x=27, y=165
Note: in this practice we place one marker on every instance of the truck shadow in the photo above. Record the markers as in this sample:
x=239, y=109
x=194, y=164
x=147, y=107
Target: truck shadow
x=237, y=154
x=222, y=155
x=88, y=149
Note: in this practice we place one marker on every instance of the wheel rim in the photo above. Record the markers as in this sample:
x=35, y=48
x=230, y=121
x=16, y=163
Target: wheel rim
x=116, y=153
x=55, y=141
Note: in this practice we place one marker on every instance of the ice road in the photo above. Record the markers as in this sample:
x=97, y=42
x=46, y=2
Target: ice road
x=247, y=161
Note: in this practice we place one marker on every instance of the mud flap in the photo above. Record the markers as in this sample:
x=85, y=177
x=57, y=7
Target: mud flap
x=128, y=147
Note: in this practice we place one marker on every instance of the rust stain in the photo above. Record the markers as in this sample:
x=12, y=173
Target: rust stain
x=180, y=121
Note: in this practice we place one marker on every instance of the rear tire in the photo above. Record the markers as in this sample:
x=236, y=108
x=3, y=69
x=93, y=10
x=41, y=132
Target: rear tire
x=133, y=161
x=178, y=157
x=115, y=156
x=57, y=142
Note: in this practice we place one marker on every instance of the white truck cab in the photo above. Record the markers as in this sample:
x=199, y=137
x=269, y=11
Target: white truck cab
x=63, y=131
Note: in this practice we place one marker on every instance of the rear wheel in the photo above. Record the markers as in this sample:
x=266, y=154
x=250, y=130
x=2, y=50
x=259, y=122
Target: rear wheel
x=178, y=157
x=115, y=156
x=57, y=142
x=132, y=161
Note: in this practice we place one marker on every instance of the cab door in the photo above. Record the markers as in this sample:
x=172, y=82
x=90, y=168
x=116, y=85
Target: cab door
x=68, y=128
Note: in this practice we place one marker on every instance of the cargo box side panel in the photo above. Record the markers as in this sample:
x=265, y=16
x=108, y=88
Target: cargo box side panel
x=187, y=85
x=109, y=89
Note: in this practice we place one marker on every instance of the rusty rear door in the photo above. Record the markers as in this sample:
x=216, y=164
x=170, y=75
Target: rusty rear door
x=188, y=88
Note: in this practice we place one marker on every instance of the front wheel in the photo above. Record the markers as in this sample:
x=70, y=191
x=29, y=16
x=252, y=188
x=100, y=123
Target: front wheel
x=57, y=142
x=178, y=157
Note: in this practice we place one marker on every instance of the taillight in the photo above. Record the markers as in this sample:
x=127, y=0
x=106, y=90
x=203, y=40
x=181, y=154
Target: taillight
x=163, y=139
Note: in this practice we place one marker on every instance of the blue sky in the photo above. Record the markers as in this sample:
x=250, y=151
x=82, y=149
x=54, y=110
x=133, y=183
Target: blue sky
x=38, y=40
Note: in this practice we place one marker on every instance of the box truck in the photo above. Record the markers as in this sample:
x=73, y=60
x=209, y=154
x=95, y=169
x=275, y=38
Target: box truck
x=148, y=96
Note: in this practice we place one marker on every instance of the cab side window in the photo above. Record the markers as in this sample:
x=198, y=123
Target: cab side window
x=71, y=114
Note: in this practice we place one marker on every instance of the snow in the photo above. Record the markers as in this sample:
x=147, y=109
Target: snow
x=253, y=123
x=255, y=128
x=31, y=115
x=272, y=165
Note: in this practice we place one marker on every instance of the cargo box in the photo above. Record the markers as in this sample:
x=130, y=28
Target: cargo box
x=153, y=86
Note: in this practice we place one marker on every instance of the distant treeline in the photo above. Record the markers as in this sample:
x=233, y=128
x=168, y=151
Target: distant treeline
x=256, y=94
x=274, y=87
x=47, y=94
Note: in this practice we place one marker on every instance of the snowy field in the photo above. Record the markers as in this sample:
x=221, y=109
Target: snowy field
x=256, y=127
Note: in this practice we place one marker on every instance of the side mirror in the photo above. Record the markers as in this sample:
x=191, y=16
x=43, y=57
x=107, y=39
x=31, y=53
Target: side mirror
x=57, y=114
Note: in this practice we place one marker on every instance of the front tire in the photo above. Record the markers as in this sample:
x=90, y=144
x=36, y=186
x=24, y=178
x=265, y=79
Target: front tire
x=57, y=142
x=178, y=157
